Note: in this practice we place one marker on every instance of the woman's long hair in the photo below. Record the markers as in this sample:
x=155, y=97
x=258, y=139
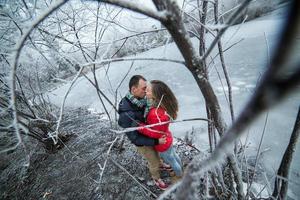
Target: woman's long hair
x=164, y=97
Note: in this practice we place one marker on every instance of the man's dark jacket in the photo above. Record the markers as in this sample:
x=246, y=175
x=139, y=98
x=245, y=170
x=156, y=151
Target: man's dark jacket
x=129, y=114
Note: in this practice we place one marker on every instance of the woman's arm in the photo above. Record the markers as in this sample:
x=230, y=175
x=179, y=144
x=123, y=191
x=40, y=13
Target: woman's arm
x=150, y=132
x=156, y=131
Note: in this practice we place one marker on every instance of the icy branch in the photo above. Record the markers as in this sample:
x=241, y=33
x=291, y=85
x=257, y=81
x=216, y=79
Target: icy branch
x=15, y=58
x=105, y=162
x=137, y=34
x=209, y=28
x=138, y=7
x=157, y=124
x=131, y=59
x=55, y=137
x=230, y=22
x=122, y=168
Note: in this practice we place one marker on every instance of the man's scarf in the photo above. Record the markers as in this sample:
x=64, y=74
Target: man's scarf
x=141, y=103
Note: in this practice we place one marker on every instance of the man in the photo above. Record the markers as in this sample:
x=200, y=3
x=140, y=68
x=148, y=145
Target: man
x=131, y=110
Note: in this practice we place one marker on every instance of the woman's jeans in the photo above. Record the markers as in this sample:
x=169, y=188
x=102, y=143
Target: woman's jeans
x=170, y=157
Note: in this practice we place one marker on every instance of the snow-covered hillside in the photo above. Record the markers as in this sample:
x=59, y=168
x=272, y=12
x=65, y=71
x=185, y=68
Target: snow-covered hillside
x=246, y=61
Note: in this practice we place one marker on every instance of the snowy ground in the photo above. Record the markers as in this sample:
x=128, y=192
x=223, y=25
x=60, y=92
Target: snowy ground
x=246, y=61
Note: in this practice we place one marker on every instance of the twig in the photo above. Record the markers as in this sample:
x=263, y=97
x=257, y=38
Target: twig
x=220, y=48
x=200, y=23
x=258, y=153
x=122, y=168
x=230, y=22
x=62, y=107
x=105, y=162
x=132, y=59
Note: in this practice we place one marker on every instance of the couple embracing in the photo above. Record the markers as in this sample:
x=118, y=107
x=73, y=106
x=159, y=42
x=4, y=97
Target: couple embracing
x=146, y=105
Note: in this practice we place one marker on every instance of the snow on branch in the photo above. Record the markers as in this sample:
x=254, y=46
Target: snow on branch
x=209, y=27
x=15, y=58
x=137, y=34
x=157, y=124
x=55, y=136
x=131, y=59
x=230, y=22
x=137, y=7
x=122, y=168
x=102, y=168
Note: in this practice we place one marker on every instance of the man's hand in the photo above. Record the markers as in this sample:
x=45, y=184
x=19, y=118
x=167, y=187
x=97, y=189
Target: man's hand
x=162, y=140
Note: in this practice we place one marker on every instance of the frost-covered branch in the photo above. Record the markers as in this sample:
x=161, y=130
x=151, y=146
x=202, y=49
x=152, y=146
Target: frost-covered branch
x=137, y=34
x=258, y=154
x=14, y=65
x=123, y=169
x=230, y=22
x=105, y=61
x=55, y=137
x=220, y=48
x=102, y=168
x=157, y=124
x=207, y=27
x=272, y=89
x=137, y=7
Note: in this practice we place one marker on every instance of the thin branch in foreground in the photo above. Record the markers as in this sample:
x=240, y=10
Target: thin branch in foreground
x=258, y=154
x=105, y=162
x=122, y=168
x=54, y=138
x=272, y=89
x=157, y=124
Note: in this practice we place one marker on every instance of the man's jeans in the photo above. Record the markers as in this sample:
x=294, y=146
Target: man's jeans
x=152, y=158
x=171, y=157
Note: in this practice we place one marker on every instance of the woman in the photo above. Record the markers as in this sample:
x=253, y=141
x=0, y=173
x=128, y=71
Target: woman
x=163, y=108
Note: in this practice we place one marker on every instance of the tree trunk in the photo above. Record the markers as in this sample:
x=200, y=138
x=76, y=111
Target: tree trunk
x=193, y=62
x=281, y=185
x=195, y=65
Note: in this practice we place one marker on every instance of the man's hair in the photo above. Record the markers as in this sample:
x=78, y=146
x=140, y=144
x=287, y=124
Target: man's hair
x=134, y=81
